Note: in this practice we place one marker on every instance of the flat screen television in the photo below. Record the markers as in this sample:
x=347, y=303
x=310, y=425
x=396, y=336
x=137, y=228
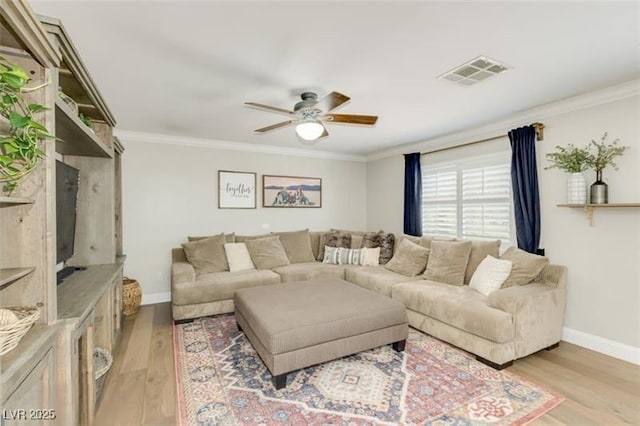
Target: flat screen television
x=66, y=207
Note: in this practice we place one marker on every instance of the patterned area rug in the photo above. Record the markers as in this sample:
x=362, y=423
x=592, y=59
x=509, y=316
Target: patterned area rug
x=222, y=381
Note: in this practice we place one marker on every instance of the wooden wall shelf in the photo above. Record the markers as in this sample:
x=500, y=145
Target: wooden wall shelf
x=77, y=138
x=15, y=201
x=10, y=275
x=588, y=208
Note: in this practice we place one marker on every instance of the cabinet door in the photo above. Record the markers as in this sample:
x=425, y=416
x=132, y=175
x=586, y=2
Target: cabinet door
x=33, y=402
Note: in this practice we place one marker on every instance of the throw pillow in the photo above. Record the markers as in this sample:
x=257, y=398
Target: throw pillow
x=356, y=241
x=490, y=274
x=448, y=261
x=370, y=256
x=244, y=238
x=207, y=255
x=333, y=239
x=342, y=256
x=382, y=240
x=315, y=243
x=238, y=257
x=230, y=238
x=297, y=245
x=267, y=253
x=409, y=260
x=479, y=251
x=421, y=241
x=526, y=266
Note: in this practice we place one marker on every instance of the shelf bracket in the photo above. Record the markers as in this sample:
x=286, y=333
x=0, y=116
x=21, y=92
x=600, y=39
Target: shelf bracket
x=589, y=211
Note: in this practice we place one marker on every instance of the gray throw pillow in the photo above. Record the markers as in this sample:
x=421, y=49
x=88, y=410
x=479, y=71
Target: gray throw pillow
x=448, y=261
x=382, y=240
x=410, y=259
x=207, y=255
x=479, y=251
x=297, y=245
x=243, y=238
x=333, y=239
x=267, y=253
x=525, y=267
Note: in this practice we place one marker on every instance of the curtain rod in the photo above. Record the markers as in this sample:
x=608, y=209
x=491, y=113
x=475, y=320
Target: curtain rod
x=539, y=127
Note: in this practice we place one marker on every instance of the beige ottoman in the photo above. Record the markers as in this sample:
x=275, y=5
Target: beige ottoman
x=301, y=324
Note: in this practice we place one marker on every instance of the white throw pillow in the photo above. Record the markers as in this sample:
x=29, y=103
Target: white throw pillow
x=370, y=256
x=238, y=257
x=490, y=275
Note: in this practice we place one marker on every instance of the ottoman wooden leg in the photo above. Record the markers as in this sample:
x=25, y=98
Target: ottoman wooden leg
x=280, y=381
x=239, y=328
x=399, y=345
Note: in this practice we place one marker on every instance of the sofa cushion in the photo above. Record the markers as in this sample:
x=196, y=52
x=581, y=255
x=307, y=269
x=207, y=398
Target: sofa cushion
x=207, y=255
x=490, y=275
x=525, y=266
x=479, y=251
x=238, y=257
x=459, y=306
x=267, y=253
x=230, y=238
x=297, y=245
x=243, y=238
x=410, y=259
x=382, y=240
x=333, y=239
x=315, y=243
x=422, y=241
x=219, y=286
x=448, y=261
x=309, y=271
x=370, y=256
x=375, y=278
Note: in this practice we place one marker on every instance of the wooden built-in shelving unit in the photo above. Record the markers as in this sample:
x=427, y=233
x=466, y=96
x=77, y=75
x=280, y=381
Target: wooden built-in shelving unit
x=589, y=208
x=52, y=366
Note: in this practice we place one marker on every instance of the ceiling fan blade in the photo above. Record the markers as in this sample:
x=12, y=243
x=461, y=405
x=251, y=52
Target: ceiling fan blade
x=332, y=101
x=325, y=133
x=368, y=120
x=275, y=126
x=269, y=108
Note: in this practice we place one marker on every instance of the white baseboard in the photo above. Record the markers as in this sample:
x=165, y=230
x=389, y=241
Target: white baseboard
x=150, y=299
x=600, y=344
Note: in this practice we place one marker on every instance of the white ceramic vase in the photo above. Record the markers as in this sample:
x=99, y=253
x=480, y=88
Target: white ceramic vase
x=576, y=189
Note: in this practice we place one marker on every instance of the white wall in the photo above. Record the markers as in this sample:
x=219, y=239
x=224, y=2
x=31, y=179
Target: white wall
x=603, y=259
x=170, y=191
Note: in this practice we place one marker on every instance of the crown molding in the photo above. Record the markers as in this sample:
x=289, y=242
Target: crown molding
x=500, y=127
x=133, y=136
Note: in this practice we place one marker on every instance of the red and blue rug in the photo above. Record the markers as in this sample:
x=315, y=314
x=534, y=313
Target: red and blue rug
x=222, y=381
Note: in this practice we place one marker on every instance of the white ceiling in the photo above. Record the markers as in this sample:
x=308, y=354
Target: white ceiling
x=185, y=68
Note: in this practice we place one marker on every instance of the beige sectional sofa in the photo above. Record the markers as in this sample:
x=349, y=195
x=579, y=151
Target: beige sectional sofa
x=508, y=324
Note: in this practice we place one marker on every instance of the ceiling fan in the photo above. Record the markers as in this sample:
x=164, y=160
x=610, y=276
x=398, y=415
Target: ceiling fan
x=310, y=114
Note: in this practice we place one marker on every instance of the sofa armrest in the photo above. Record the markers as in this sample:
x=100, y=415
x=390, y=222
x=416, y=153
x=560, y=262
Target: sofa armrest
x=182, y=273
x=538, y=314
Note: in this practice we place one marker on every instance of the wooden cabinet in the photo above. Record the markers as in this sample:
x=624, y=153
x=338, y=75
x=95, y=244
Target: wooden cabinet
x=52, y=367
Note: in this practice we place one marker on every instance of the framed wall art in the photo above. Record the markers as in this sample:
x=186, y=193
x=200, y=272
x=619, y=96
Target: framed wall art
x=291, y=191
x=236, y=190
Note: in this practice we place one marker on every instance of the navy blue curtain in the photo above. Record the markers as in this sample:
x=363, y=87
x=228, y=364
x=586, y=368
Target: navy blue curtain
x=412, y=194
x=524, y=180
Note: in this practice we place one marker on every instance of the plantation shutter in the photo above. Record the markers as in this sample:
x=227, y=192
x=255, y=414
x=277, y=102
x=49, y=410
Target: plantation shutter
x=440, y=202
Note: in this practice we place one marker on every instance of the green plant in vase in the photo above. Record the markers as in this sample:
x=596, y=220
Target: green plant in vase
x=20, y=133
x=603, y=156
x=572, y=159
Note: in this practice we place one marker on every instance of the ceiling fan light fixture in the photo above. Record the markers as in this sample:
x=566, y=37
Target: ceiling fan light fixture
x=309, y=130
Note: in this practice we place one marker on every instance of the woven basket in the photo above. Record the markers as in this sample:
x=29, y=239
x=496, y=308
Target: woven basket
x=102, y=361
x=11, y=334
x=131, y=296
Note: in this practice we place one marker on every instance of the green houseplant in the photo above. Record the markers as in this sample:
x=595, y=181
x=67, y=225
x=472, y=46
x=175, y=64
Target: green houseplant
x=574, y=160
x=20, y=133
x=603, y=155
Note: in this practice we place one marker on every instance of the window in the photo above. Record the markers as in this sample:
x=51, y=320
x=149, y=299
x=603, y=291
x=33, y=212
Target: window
x=469, y=199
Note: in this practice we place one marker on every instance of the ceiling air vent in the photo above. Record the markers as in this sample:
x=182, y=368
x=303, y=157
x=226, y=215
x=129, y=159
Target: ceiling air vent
x=474, y=71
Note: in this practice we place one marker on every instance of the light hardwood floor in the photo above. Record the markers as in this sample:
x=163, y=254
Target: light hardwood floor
x=140, y=389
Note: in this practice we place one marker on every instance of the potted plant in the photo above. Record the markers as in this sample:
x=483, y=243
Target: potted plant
x=20, y=133
x=603, y=156
x=572, y=159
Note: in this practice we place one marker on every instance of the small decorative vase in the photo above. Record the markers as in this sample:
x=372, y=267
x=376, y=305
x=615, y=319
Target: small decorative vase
x=132, y=296
x=599, y=190
x=576, y=189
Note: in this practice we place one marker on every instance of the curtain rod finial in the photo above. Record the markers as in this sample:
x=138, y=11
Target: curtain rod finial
x=539, y=131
